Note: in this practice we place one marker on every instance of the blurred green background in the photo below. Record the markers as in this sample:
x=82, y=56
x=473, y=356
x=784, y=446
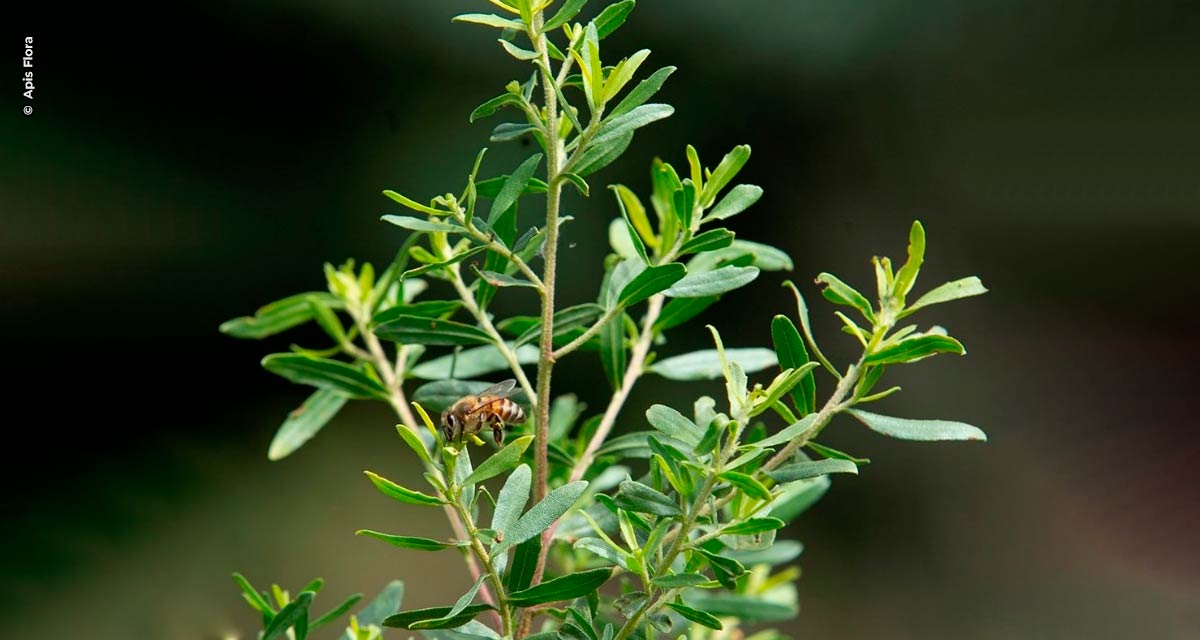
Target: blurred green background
x=187, y=162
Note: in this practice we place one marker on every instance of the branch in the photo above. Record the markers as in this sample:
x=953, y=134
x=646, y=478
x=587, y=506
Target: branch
x=509, y=355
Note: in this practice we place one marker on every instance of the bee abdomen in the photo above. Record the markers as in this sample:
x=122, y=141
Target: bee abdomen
x=512, y=413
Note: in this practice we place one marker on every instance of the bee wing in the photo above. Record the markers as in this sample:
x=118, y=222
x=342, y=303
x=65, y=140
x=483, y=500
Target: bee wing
x=501, y=389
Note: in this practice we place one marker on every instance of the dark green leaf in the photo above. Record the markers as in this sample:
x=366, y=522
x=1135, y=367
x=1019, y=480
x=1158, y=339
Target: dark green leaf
x=491, y=187
x=578, y=182
x=252, y=596
x=726, y=570
x=753, y=526
x=747, y=484
x=572, y=585
x=650, y=281
x=501, y=461
x=405, y=542
x=612, y=17
x=471, y=363
x=425, y=309
x=789, y=432
x=304, y=422
x=744, y=607
x=613, y=352
x=601, y=153
x=679, y=580
x=914, y=349
x=524, y=563
x=430, y=331
x=683, y=203
x=830, y=452
x=397, y=492
x=839, y=292
x=928, y=430
x=710, y=240
x=543, y=514
x=637, y=497
x=294, y=614
x=418, y=224
x=736, y=201
x=278, y=316
x=706, y=363
x=711, y=283
x=517, y=52
x=789, y=347
x=326, y=374
x=564, y=320
x=407, y=619
x=513, y=187
x=679, y=310
x=509, y=131
x=642, y=92
x=503, y=280
x=425, y=268
x=695, y=615
x=569, y=10
x=336, y=612
x=812, y=469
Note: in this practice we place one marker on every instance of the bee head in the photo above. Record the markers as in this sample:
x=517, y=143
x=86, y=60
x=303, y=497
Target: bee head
x=450, y=420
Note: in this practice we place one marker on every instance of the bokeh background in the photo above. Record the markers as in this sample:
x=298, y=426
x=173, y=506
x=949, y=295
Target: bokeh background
x=187, y=162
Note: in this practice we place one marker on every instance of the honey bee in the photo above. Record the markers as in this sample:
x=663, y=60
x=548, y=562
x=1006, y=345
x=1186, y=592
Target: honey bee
x=489, y=408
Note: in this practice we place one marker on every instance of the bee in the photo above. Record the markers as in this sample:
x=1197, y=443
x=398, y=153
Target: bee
x=489, y=408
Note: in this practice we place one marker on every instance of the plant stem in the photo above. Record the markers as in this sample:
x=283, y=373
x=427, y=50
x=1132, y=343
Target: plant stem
x=481, y=553
x=510, y=356
x=549, y=257
x=831, y=406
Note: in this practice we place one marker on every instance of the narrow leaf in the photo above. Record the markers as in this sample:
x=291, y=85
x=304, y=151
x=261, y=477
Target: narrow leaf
x=955, y=290
x=736, y=201
x=711, y=283
x=695, y=615
x=405, y=542
x=914, y=349
x=326, y=374
x=304, y=422
x=753, y=526
x=430, y=331
x=812, y=469
x=543, y=514
x=397, y=492
x=926, y=430
x=524, y=563
x=511, y=500
x=706, y=363
x=513, y=187
x=642, y=92
x=409, y=619
x=635, y=496
x=747, y=484
x=572, y=585
x=500, y=462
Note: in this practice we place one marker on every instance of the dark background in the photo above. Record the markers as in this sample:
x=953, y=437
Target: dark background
x=187, y=162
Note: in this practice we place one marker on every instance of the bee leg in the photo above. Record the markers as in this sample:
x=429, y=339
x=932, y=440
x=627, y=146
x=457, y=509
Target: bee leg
x=498, y=433
x=449, y=433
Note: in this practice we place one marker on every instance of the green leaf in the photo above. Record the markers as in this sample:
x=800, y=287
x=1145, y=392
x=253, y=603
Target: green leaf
x=673, y=424
x=491, y=187
x=612, y=17
x=336, y=612
x=753, y=526
x=578, y=182
x=459, y=605
x=304, y=422
x=408, y=619
x=524, y=563
x=747, y=484
x=503, y=280
x=830, y=452
x=425, y=268
x=252, y=595
x=706, y=363
x=491, y=107
x=405, y=542
x=642, y=92
x=414, y=442
x=419, y=224
x=963, y=288
x=679, y=580
x=781, y=552
x=683, y=204
x=798, y=496
x=711, y=283
x=725, y=172
x=601, y=153
x=914, y=349
x=414, y=205
x=543, y=514
x=695, y=615
x=789, y=432
x=839, y=292
x=569, y=10
x=430, y=331
x=517, y=52
x=790, y=348
x=710, y=240
x=488, y=20
x=625, y=124
x=812, y=469
x=726, y=570
x=906, y=277
x=385, y=604
x=736, y=201
x=802, y=312
x=650, y=281
x=635, y=238
x=564, y=413
x=679, y=310
x=294, y=614
x=325, y=374
x=471, y=363
x=500, y=462
x=397, y=492
x=632, y=206
x=509, y=131
x=278, y=316
x=604, y=550
x=513, y=187
x=572, y=585
x=440, y=394
x=425, y=309
x=637, y=497
x=511, y=501
x=613, y=353
x=926, y=430
x=744, y=607
x=565, y=320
